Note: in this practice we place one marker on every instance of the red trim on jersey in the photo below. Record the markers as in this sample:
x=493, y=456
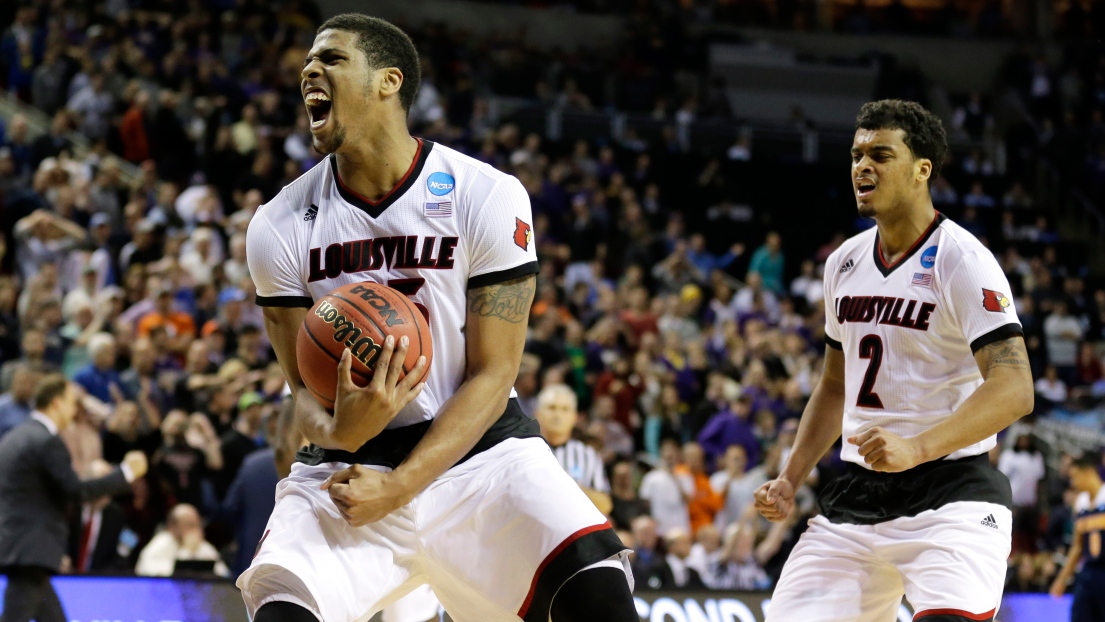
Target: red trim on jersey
x=955, y=612
x=398, y=184
x=911, y=249
x=563, y=545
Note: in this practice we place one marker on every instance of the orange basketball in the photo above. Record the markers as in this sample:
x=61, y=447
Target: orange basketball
x=359, y=317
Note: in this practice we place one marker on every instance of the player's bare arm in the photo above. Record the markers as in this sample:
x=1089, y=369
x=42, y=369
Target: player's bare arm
x=495, y=336
x=359, y=413
x=1074, y=556
x=818, y=430
x=1005, y=395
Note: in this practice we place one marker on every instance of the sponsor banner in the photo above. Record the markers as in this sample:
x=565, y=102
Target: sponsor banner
x=139, y=599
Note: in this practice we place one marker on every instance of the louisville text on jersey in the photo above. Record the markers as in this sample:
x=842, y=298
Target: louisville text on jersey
x=364, y=349
x=884, y=310
x=382, y=254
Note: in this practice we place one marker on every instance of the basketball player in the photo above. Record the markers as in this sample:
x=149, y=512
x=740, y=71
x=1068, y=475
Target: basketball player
x=446, y=483
x=557, y=413
x=1089, y=527
x=925, y=364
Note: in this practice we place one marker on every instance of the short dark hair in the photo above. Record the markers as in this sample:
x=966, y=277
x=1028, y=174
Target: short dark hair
x=50, y=388
x=1087, y=460
x=384, y=45
x=924, y=133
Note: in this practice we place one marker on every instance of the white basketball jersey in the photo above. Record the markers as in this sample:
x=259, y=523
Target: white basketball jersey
x=909, y=329
x=452, y=224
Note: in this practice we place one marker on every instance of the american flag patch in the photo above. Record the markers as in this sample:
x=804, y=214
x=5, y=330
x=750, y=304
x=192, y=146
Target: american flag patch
x=924, y=280
x=443, y=209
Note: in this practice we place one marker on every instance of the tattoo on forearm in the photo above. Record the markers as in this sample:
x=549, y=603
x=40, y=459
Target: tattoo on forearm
x=509, y=301
x=1006, y=353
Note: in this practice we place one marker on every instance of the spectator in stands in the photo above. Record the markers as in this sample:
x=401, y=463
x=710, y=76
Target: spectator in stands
x=243, y=438
x=647, y=554
x=627, y=506
x=668, y=492
x=675, y=573
x=1051, y=388
x=729, y=427
x=32, y=356
x=17, y=404
x=735, y=484
x=179, y=326
x=190, y=451
x=99, y=377
x=1063, y=332
x=1023, y=464
x=768, y=262
x=704, y=502
x=182, y=540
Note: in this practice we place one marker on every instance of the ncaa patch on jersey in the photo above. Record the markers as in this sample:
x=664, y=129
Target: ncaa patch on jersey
x=440, y=184
x=928, y=258
x=994, y=301
x=523, y=233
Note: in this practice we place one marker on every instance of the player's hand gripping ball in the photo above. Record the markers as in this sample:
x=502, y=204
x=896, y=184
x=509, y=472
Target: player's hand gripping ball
x=358, y=318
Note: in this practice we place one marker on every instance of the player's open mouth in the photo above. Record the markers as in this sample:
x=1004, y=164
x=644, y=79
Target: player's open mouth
x=318, y=106
x=864, y=188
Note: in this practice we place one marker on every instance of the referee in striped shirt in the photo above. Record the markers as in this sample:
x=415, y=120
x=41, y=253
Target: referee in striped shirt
x=556, y=412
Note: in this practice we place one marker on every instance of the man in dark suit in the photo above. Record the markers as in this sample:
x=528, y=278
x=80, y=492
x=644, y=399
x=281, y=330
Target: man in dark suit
x=37, y=484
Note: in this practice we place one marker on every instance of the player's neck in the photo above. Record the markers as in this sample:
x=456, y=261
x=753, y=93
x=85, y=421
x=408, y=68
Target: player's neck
x=899, y=232
x=376, y=165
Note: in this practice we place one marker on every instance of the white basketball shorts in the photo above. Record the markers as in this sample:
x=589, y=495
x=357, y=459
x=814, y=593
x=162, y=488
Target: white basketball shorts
x=495, y=537
x=950, y=561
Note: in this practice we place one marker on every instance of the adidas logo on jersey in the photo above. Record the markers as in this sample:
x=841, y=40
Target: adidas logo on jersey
x=848, y=265
x=311, y=213
x=990, y=522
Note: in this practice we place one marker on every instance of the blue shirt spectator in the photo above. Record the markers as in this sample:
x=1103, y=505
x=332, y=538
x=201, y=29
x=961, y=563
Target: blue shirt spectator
x=15, y=405
x=99, y=376
x=707, y=262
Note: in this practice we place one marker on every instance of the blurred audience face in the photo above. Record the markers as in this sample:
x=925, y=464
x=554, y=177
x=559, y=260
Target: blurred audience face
x=185, y=525
x=709, y=538
x=669, y=453
x=174, y=426
x=23, y=384
x=679, y=543
x=736, y=459
x=644, y=532
x=694, y=458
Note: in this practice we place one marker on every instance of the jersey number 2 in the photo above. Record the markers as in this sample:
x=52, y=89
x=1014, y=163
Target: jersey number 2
x=410, y=287
x=870, y=347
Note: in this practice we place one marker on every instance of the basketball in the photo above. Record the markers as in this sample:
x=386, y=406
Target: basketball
x=359, y=317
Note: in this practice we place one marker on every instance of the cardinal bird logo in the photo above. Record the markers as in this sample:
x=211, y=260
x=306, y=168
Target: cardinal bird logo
x=523, y=233
x=994, y=301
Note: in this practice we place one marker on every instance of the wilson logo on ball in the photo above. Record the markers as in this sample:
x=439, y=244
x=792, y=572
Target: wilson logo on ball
x=364, y=349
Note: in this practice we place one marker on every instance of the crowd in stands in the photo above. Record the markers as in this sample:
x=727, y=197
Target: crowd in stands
x=691, y=337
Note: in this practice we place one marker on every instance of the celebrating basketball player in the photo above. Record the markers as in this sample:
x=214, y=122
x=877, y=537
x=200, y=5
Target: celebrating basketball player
x=925, y=364
x=446, y=483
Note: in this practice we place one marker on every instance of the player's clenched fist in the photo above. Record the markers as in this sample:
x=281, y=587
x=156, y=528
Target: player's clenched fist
x=365, y=495
x=886, y=451
x=775, y=499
